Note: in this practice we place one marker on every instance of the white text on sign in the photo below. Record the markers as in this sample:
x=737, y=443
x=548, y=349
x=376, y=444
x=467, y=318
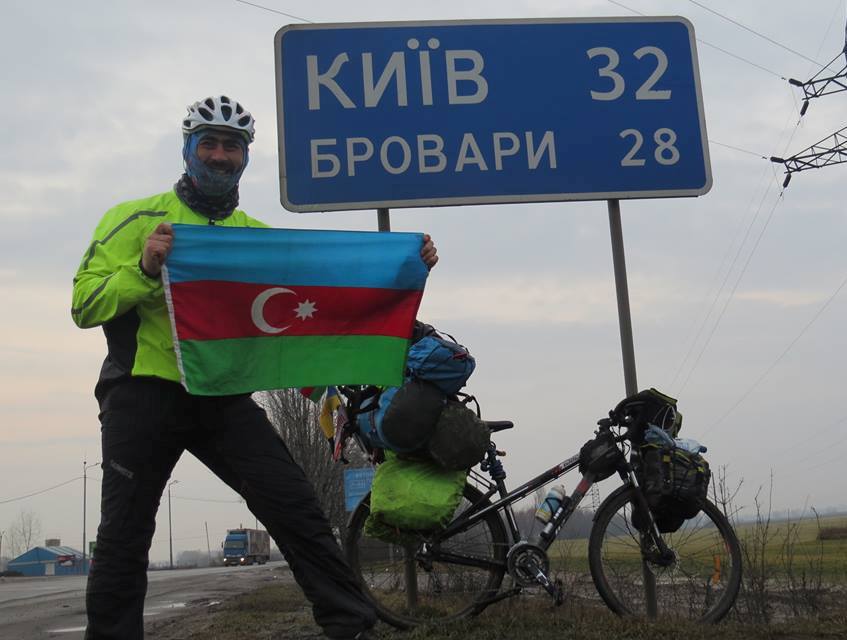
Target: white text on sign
x=465, y=86
x=396, y=153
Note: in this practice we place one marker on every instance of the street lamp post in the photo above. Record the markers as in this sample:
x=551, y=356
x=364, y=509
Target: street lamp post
x=170, y=524
x=85, y=468
x=1, y=549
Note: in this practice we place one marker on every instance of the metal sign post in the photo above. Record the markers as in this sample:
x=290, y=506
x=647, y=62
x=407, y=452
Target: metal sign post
x=622, y=290
x=383, y=221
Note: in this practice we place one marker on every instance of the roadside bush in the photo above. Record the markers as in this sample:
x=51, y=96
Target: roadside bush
x=787, y=570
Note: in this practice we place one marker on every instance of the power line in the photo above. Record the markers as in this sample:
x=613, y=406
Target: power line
x=808, y=438
x=36, y=493
x=729, y=146
x=717, y=296
x=742, y=59
x=781, y=356
x=735, y=286
x=713, y=46
x=282, y=13
x=754, y=32
x=731, y=267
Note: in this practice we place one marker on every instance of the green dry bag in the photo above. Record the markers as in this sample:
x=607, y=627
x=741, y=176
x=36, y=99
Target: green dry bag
x=412, y=495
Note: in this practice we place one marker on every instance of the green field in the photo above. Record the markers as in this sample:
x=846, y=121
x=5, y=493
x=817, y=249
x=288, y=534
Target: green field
x=787, y=545
x=795, y=545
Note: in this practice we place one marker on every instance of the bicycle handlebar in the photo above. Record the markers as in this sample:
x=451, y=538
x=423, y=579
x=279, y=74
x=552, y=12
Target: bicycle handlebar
x=606, y=424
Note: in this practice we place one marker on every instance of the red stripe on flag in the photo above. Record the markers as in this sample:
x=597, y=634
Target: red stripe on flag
x=213, y=309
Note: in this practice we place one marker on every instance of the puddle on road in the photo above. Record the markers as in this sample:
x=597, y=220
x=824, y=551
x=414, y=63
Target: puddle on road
x=67, y=630
x=156, y=609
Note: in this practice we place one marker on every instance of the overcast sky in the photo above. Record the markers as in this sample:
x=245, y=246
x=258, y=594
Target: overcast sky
x=736, y=296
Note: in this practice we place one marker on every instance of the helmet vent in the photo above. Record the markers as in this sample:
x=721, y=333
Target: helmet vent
x=219, y=111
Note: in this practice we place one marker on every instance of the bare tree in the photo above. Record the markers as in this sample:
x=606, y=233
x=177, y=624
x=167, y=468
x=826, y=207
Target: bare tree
x=24, y=532
x=295, y=417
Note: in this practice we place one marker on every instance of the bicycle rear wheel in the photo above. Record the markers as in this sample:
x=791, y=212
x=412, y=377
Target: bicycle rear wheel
x=429, y=580
x=701, y=583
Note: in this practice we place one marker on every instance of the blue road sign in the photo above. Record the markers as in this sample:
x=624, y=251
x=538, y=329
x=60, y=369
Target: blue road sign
x=444, y=113
x=357, y=483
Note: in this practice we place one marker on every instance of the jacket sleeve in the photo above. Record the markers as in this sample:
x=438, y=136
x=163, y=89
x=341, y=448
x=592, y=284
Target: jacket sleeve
x=109, y=281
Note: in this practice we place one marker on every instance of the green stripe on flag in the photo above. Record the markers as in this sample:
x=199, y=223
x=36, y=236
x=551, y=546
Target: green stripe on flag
x=243, y=365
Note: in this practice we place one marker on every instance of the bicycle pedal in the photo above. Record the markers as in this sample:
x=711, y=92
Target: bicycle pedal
x=555, y=591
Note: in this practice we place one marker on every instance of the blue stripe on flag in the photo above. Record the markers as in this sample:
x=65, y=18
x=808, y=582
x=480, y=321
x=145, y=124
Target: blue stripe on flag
x=297, y=257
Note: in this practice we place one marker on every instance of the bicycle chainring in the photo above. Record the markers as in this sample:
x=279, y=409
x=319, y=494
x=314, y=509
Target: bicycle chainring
x=524, y=561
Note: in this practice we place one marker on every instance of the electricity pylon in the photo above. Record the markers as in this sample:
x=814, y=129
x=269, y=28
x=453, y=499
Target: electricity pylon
x=818, y=86
x=830, y=150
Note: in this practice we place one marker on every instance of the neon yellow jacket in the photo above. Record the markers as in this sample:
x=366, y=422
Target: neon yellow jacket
x=111, y=291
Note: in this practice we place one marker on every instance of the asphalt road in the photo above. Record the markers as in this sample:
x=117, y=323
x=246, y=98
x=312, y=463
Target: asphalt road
x=54, y=607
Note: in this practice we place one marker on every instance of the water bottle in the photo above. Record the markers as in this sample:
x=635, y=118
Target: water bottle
x=550, y=504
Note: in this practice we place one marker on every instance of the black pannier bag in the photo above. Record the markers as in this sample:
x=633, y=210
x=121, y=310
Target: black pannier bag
x=650, y=407
x=600, y=457
x=460, y=439
x=409, y=419
x=675, y=483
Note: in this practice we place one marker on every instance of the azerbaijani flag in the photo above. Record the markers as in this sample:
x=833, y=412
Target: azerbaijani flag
x=255, y=309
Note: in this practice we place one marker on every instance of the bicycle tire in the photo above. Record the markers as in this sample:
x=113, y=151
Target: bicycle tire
x=446, y=590
x=701, y=584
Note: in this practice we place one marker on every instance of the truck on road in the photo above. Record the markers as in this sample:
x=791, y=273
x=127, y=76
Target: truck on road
x=246, y=546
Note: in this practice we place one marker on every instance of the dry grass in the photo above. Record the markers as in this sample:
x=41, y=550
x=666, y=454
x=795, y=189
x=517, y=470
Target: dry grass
x=281, y=611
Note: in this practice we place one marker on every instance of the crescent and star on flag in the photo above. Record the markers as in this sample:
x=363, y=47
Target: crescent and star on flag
x=304, y=310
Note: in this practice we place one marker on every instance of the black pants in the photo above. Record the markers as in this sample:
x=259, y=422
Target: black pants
x=146, y=425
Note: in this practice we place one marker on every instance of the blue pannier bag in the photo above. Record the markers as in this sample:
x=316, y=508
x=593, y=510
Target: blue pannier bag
x=444, y=363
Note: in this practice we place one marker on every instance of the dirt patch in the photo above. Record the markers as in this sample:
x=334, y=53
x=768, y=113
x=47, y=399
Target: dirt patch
x=277, y=611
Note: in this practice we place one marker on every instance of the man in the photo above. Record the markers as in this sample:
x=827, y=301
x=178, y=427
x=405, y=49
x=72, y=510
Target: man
x=148, y=419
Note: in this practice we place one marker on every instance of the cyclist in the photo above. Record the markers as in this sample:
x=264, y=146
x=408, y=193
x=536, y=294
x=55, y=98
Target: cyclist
x=148, y=419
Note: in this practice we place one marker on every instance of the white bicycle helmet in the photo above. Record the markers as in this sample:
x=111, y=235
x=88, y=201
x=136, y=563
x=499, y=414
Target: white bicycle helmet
x=218, y=111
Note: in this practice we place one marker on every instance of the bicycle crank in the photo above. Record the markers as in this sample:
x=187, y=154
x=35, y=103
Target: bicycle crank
x=529, y=565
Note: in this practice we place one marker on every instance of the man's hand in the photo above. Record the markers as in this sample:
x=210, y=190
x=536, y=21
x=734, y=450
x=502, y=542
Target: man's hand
x=428, y=252
x=156, y=249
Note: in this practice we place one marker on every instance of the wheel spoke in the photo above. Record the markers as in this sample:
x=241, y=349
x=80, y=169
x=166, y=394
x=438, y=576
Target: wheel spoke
x=428, y=580
x=701, y=583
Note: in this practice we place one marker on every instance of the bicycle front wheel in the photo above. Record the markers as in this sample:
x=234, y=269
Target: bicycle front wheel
x=700, y=583
x=429, y=579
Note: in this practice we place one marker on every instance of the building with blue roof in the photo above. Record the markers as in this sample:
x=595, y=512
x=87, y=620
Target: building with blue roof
x=49, y=561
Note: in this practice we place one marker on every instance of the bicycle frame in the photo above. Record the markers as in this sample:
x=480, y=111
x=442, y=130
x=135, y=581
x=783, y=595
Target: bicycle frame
x=569, y=504
x=497, y=486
